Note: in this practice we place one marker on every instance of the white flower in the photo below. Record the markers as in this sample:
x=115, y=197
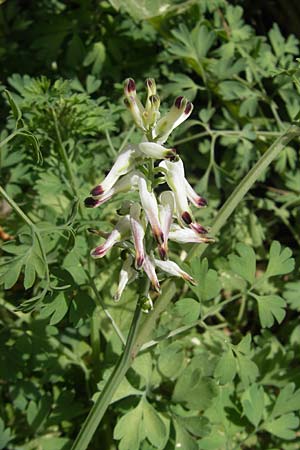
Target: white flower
x=174, y=175
x=187, y=235
x=179, y=112
x=193, y=197
x=127, y=275
x=172, y=268
x=119, y=233
x=166, y=209
x=149, y=204
x=123, y=164
x=124, y=184
x=138, y=234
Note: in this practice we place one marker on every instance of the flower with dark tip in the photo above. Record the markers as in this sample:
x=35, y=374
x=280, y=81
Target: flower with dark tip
x=124, y=163
x=119, y=233
x=173, y=269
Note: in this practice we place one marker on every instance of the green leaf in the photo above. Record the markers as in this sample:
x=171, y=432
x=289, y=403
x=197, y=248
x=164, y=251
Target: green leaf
x=130, y=437
x=225, y=370
x=15, y=109
x=209, y=284
x=247, y=369
x=171, y=360
x=154, y=427
x=283, y=426
x=187, y=309
x=244, y=264
x=56, y=307
x=280, y=260
x=29, y=274
x=184, y=440
x=270, y=307
x=291, y=294
x=193, y=389
x=143, y=366
x=5, y=435
x=96, y=57
x=288, y=400
x=253, y=403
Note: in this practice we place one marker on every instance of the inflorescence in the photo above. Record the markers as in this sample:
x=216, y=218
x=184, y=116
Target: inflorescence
x=142, y=168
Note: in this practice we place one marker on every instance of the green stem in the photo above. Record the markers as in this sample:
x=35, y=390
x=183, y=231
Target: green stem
x=106, y=312
x=11, y=136
x=246, y=184
x=99, y=408
x=65, y=159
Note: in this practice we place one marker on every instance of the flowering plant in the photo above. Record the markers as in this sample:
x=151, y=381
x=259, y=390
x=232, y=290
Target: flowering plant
x=144, y=167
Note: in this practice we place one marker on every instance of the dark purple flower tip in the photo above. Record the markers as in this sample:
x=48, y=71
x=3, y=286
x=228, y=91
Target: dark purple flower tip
x=199, y=228
x=201, y=202
x=188, y=107
x=171, y=154
x=98, y=190
x=159, y=236
x=163, y=253
x=149, y=82
x=178, y=102
x=130, y=85
x=98, y=251
x=139, y=261
x=186, y=217
x=154, y=100
x=90, y=202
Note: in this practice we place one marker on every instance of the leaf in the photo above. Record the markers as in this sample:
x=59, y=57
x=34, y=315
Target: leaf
x=209, y=284
x=188, y=309
x=270, y=307
x=225, y=370
x=29, y=274
x=5, y=435
x=154, y=427
x=171, y=360
x=245, y=264
x=15, y=110
x=96, y=57
x=283, y=426
x=253, y=403
x=288, y=400
x=184, y=441
x=56, y=307
x=193, y=389
x=196, y=425
x=143, y=366
x=130, y=437
x=280, y=260
x=248, y=370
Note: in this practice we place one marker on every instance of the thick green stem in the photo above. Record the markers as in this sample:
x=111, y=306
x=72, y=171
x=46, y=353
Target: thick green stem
x=99, y=408
x=246, y=184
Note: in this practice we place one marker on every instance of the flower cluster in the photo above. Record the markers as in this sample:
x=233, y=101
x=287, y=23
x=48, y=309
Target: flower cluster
x=142, y=168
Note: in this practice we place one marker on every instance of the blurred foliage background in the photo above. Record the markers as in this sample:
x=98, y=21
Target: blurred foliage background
x=229, y=376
